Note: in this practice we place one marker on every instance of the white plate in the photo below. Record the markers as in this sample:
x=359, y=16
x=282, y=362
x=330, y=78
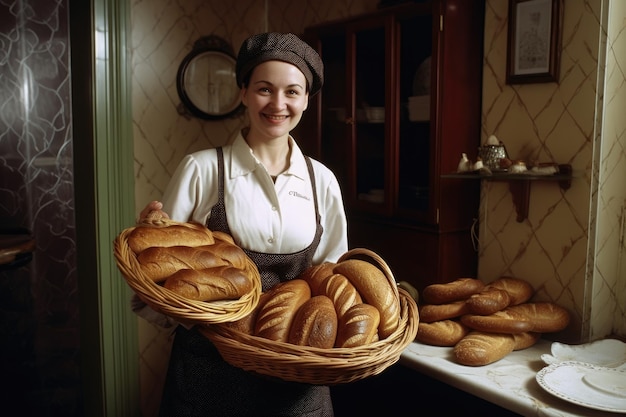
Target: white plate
x=596, y=387
x=608, y=352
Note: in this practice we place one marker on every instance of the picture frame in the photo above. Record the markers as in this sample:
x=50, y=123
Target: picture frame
x=534, y=41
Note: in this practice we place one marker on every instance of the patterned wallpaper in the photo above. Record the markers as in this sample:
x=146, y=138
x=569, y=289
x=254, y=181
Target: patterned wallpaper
x=569, y=247
x=39, y=304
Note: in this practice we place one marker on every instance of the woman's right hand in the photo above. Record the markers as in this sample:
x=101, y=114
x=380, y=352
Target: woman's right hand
x=153, y=206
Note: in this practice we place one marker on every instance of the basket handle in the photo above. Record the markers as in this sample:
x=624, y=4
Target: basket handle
x=377, y=261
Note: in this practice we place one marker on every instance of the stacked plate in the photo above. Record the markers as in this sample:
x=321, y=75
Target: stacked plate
x=592, y=375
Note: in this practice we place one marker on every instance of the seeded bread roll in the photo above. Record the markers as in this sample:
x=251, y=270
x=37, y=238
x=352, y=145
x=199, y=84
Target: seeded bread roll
x=441, y=333
x=375, y=289
x=276, y=315
x=221, y=283
x=460, y=289
x=193, y=234
x=478, y=348
x=430, y=313
x=315, y=324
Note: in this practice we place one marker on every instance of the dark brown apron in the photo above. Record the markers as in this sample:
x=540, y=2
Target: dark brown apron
x=200, y=383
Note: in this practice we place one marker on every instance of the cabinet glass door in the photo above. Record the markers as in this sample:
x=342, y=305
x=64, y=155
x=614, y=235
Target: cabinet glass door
x=370, y=146
x=414, y=135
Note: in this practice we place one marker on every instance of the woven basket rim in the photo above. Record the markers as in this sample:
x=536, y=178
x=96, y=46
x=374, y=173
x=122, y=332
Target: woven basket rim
x=315, y=365
x=174, y=305
x=320, y=366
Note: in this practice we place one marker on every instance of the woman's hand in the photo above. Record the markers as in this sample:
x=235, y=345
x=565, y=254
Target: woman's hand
x=151, y=207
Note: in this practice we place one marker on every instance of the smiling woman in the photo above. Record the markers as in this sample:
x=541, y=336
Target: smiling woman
x=282, y=208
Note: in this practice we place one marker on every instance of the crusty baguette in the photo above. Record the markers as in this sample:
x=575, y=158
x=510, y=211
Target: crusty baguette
x=275, y=316
x=430, y=313
x=246, y=323
x=232, y=254
x=499, y=322
x=375, y=289
x=525, y=340
x=459, y=289
x=223, y=236
x=358, y=326
x=519, y=290
x=221, y=283
x=546, y=317
x=341, y=291
x=315, y=275
x=192, y=234
x=488, y=301
x=158, y=263
x=479, y=348
x=441, y=333
x=315, y=324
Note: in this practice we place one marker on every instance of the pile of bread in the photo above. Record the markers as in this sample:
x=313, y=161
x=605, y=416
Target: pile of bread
x=484, y=323
x=192, y=261
x=345, y=305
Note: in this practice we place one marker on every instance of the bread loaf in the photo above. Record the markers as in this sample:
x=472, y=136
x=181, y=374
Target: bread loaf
x=221, y=283
x=545, y=317
x=441, y=333
x=315, y=324
x=192, y=234
x=281, y=304
x=478, y=348
x=488, y=301
x=499, y=322
x=341, y=291
x=358, y=326
x=430, y=313
x=223, y=236
x=375, y=289
x=519, y=290
x=525, y=340
x=459, y=289
x=316, y=274
x=246, y=323
x=158, y=263
x=230, y=253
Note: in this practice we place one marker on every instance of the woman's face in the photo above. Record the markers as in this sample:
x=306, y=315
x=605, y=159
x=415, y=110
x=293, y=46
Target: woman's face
x=275, y=97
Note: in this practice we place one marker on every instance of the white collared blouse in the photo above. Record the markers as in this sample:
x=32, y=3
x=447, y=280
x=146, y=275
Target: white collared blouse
x=263, y=215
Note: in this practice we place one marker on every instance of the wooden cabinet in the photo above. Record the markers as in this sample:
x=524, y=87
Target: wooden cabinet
x=400, y=104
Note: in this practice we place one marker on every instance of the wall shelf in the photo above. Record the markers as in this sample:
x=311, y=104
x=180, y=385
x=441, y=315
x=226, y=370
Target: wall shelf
x=519, y=184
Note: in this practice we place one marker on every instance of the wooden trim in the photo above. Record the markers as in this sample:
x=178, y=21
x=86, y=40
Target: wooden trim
x=104, y=203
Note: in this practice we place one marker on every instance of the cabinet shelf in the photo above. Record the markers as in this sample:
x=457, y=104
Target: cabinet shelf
x=519, y=184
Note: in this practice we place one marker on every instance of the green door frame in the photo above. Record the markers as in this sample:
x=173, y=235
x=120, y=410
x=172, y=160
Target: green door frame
x=104, y=195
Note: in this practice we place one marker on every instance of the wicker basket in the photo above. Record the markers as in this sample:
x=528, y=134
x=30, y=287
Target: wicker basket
x=171, y=304
x=316, y=365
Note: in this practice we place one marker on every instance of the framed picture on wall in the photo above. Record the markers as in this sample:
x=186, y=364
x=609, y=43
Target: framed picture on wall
x=534, y=43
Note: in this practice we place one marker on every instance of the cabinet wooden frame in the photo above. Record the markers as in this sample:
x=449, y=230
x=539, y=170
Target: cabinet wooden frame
x=534, y=41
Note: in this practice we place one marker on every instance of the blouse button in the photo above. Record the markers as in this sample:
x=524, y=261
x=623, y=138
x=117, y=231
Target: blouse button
x=274, y=208
x=270, y=240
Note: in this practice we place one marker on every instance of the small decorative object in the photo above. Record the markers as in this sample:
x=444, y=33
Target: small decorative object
x=492, y=152
x=465, y=165
x=518, y=167
x=478, y=165
x=533, y=54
